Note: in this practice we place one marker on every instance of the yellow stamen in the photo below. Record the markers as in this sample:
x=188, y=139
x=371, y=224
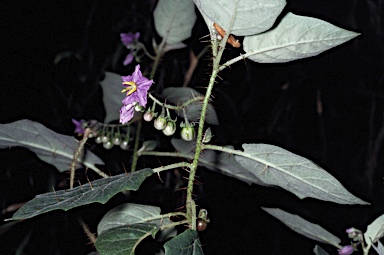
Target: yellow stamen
x=130, y=89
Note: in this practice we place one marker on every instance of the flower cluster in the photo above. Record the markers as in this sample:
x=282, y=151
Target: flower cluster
x=136, y=87
x=129, y=40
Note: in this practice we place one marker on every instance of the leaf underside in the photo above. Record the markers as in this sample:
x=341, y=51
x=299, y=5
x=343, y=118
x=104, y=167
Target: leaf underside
x=295, y=37
x=49, y=146
x=276, y=166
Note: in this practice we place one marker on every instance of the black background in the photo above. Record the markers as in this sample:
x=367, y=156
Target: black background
x=250, y=101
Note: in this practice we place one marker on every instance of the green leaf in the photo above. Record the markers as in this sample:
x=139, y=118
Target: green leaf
x=122, y=240
x=217, y=161
x=149, y=145
x=174, y=19
x=112, y=96
x=304, y=227
x=252, y=17
x=375, y=230
x=49, y=146
x=187, y=243
x=181, y=95
x=97, y=191
x=319, y=251
x=130, y=214
x=276, y=166
x=294, y=38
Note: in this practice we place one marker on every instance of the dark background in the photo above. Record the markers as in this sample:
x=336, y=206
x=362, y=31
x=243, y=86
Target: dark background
x=258, y=103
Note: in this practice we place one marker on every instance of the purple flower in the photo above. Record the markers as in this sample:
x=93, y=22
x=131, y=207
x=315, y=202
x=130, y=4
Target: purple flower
x=79, y=126
x=137, y=88
x=128, y=59
x=346, y=250
x=128, y=38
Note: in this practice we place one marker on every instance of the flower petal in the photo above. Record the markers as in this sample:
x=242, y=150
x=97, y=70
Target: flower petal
x=128, y=59
x=126, y=113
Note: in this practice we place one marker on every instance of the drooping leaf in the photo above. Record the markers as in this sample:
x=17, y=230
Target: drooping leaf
x=276, y=166
x=180, y=95
x=252, y=17
x=130, y=214
x=319, y=251
x=187, y=243
x=122, y=240
x=217, y=161
x=304, y=227
x=294, y=38
x=174, y=19
x=112, y=96
x=97, y=191
x=49, y=146
x=375, y=230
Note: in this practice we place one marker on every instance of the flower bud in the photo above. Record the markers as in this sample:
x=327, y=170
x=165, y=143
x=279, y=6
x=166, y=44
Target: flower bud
x=187, y=133
x=170, y=128
x=160, y=123
x=346, y=250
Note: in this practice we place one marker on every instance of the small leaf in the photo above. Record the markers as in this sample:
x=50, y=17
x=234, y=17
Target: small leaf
x=217, y=161
x=319, y=251
x=252, y=17
x=149, y=145
x=49, y=146
x=379, y=248
x=181, y=95
x=304, y=227
x=207, y=136
x=187, y=243
x=174, y=19
x=276, y=166
x=130, y=214
x=97, y=191
x=294, y=38
x=375, y=230
x=112, y=96
x=122, y=240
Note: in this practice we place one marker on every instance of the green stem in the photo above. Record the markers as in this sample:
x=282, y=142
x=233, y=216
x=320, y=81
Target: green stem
x=178, y=107
x=171, y=166
x=136, y=147
x=190, y=203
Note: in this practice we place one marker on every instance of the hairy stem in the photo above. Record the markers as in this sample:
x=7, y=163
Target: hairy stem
x=190, y=204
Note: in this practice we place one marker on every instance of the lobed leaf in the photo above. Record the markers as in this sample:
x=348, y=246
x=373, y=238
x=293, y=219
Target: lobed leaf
x=276, y=166
x=187, y=243
x=379, y=248
x=49, y=146
x=252, y=17
x=295, y=37
x=304, y=227
x=112, y=96
x=97, y=191
x=375, y=230
x=174, y=20
x=130, y=214
x=181, y=95
x=122, y=240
